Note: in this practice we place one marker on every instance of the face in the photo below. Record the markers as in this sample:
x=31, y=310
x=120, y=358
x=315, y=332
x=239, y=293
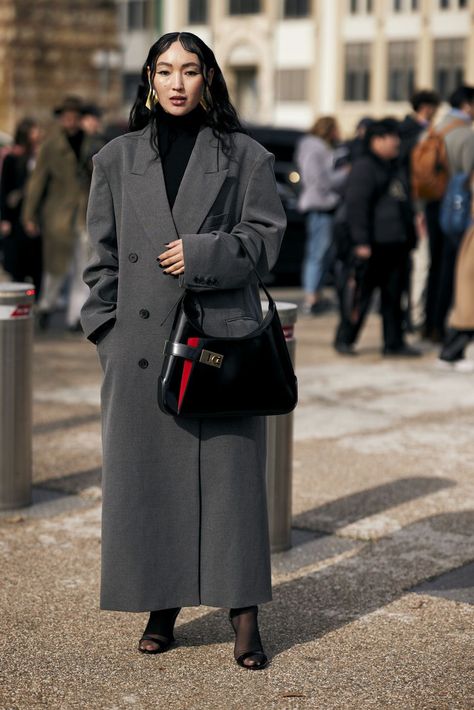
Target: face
x=35, y=135
x=386, y=147
x=429, y=112
x=90, y=124
x=469, y=109
x=178, y=80
x=70, y=121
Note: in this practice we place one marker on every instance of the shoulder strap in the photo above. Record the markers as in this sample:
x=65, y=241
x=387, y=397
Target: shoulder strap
x=254, y=267
x=455, y=123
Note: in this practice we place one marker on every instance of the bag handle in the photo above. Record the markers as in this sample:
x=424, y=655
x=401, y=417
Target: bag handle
x=254, y=268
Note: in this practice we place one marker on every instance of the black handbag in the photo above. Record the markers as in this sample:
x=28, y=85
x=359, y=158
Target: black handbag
x=208, y=376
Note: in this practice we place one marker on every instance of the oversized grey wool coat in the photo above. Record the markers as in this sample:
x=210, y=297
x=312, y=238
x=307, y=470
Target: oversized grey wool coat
x=184, y=505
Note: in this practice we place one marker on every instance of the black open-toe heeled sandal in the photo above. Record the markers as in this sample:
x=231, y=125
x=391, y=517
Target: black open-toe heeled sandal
x=160, y=621
x=161, y=642
x=254, y=659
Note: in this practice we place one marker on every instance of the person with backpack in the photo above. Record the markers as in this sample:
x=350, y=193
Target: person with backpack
x=456, y=216
x=461, y=325
x=446, y=152
x=381, y=227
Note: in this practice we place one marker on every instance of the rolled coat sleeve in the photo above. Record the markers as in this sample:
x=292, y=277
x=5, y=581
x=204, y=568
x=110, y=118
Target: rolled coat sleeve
x=220, y=256
x=101, y=274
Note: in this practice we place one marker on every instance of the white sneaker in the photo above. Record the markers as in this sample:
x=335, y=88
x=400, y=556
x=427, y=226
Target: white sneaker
x=463, y=365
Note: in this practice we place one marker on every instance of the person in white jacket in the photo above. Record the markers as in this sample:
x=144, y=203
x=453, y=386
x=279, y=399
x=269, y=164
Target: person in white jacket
x=320, y=195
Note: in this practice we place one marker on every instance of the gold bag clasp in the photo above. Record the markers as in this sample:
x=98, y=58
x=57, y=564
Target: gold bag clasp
x=209, y=358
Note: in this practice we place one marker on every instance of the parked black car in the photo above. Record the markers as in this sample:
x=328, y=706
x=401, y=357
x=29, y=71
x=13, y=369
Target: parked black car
x=282, y=143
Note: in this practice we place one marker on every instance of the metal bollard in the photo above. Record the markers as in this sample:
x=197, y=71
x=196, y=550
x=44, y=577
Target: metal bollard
x=16, y=346
x=280, y=452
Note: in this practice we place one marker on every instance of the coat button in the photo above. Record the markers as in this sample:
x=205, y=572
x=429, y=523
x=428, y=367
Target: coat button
x=143, y=363
x=143, y=313
x=133, y=257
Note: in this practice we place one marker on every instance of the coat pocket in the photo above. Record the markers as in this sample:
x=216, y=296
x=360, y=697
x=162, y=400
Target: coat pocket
x=214, y=222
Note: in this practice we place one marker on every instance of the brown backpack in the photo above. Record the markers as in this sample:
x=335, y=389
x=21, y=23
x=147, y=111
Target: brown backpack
x=429, y=167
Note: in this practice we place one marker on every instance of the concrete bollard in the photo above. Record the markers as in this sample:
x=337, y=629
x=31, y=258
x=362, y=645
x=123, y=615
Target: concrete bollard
x=280, y=451
x=16, y=349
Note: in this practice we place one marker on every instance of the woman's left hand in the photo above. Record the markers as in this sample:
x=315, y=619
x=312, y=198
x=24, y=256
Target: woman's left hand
x=172, y=260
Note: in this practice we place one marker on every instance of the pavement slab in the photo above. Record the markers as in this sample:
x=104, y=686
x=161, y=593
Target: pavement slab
x=373, y=605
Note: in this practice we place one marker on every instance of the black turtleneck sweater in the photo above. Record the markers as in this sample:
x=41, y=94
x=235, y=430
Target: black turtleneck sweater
x=176, y=137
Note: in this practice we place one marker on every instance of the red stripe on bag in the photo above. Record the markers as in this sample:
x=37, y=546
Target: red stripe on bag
x=187, y=368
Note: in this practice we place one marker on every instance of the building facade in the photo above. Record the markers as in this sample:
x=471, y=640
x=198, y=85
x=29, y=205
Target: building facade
x=287, y=61
x=51, y=48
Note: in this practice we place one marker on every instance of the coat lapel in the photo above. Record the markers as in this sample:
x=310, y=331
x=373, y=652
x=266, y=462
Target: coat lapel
x=149, y=196
x=200, y=185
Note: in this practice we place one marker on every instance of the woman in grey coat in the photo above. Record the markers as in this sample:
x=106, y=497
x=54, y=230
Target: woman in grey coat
x=184, y=506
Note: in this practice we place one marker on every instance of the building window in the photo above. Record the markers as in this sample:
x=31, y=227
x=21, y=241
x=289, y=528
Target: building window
x=397, y=5
x=197, y=12
x=296, y=8
x=244, y=7
x=414, y=5
x=360, y=6
x=401, y=70
x=138, y=14
x=448, y=65
x=357, y=72
x=292, y=84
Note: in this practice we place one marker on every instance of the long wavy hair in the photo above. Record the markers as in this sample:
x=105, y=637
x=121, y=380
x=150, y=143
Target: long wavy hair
x=220, y=114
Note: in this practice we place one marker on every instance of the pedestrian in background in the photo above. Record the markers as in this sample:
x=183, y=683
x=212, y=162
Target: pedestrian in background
x=56, y=199
x=380, y=225
x=425, y=257
x=91, y=125
x=22, y=254
x=459, y=140
x=461, y=323
x=321, y=186
x=184, y=501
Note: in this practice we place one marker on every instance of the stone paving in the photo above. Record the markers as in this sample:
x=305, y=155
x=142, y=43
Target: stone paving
x=373, y=605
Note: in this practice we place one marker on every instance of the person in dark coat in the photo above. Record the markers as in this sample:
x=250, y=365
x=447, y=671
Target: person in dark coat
x=380, y=221
x=184, y=501
x=22, y=254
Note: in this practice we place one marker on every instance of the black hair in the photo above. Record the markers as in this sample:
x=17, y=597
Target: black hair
x=378, y=129
x=462, y=95
x=22, y=133
x=424, y=97
x=220, y=114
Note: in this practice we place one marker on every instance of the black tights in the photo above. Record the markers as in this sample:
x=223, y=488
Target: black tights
x=243, y=620
x=245, y=625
